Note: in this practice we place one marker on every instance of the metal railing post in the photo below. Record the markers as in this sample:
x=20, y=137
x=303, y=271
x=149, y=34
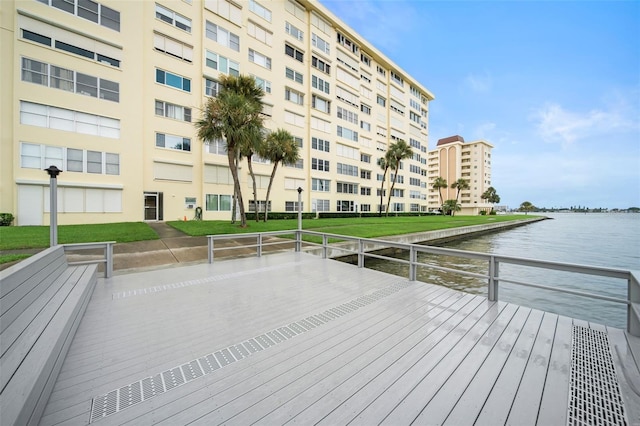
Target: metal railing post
x=298, y=241
x=259, y=245
x=633, y=308
x=413, y=267
x=360, y=253
x=493, y=279
x=210, y=248
x=325, y=249
x=108, y=254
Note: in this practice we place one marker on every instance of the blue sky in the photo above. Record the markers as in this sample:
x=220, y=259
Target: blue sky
x=553, y=85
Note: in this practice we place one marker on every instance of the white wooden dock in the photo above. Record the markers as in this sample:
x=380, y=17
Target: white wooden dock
x=293, y=338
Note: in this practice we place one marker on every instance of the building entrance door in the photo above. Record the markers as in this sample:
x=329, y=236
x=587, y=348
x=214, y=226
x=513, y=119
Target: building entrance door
x=152, y=206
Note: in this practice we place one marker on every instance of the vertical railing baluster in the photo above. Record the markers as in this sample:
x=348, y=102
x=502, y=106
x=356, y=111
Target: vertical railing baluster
x=325, y=249
x=493, y=281
x=413, y=267
x=360, y=253
x=633, y=308
x=210, y=248
x=259, y=245
x=298, y=241
x=108, y=254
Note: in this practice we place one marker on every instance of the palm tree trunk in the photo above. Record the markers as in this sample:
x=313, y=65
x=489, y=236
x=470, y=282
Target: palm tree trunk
x=393, y=184
x=231, y=155
x=273, y=174
x=384, y=177
x=255, y=189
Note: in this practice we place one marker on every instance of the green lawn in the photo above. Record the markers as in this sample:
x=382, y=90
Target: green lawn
x=369, y=227
x=23, y=237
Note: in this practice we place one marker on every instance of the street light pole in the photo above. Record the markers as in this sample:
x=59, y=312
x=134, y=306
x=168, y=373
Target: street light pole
x=53, y=210
x=299, y=208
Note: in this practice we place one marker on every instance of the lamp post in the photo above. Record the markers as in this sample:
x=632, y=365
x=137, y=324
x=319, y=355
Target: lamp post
x=53, y=210
x=299, y=208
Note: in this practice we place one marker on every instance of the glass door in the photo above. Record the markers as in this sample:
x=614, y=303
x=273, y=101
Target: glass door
x=150, y=206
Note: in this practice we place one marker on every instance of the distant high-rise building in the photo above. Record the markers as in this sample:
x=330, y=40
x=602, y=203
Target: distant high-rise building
x=109, y=92
x=454, y=159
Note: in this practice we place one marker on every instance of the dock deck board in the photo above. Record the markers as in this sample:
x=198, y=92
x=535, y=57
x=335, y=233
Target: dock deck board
x=379, y=349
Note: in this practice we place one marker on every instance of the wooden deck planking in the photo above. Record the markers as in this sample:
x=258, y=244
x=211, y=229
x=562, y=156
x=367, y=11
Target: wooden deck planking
x=125, y=359
x=297, y=357
x=423, y=353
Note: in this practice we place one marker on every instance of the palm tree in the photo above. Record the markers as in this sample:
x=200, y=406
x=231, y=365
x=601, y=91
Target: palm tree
x=279, y=147
x=384, y=165
x=490, y=195
x=460, y=185
x=235, y=115
x=439, y=183
x=526, y=207
x=247, y=150
x=450, y=207
x=399, y=151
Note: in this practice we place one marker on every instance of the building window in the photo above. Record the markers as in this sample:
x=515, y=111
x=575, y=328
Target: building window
x=169, y=110
x=261, y=206
x=294, y=96
x=293, y=75
x=222, y=64
x=381, y=100
x=365, y=158
x=293, y=31
x=178, y=143
x=321, y=185
x=320, y=104
x=396, y=78
x=293, y=52
x=347, y=115
x=72, y=81
x=259, y=33
x=318, y=164
x=173, y=80
x=260, y=10
x=347, y=169
x=320, y=64
x=211, y=87
x=40, y=115
x=320, y=44
x=172, y=47
x=222, y=36
x=216, y=202
x=262, y=83
x=292, y=206
x=35, y=156
x=347, y=133
x=347, y=188
x=365, y=108
x=89, y=10
x=320, y=205
x=397, y=207
x=319, y=144
x=345, y=206
x=320, y=84
x=60, y=45
x=381, y=70
x=365, y=190
x=365, y=60
x=173, y=18
x=365, y=174
x=344, y=41
x=259, y=59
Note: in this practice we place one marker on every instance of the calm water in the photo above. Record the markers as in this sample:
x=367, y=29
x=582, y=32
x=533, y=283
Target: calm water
x=606, y=239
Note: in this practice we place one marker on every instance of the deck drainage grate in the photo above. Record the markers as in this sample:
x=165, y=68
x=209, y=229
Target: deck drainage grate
x=594, y=394
x=142, y=390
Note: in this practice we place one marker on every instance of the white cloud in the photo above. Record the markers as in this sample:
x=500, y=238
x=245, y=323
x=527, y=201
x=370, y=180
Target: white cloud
x=557, y=124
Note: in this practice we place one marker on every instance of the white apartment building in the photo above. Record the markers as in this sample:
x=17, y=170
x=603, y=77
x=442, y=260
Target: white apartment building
x=452, y=159
x=109, y=92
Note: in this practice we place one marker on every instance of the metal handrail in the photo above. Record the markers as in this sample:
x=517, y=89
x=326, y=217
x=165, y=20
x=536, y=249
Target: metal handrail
x=107, y=246
x=364, y=246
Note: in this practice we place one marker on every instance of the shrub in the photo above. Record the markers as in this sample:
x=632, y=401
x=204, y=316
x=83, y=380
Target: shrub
x=492, y=212
x=6, y=219
x=483, y=212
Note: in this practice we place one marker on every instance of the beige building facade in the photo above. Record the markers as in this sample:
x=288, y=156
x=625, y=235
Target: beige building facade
x=109, y=92
x=454, y=159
